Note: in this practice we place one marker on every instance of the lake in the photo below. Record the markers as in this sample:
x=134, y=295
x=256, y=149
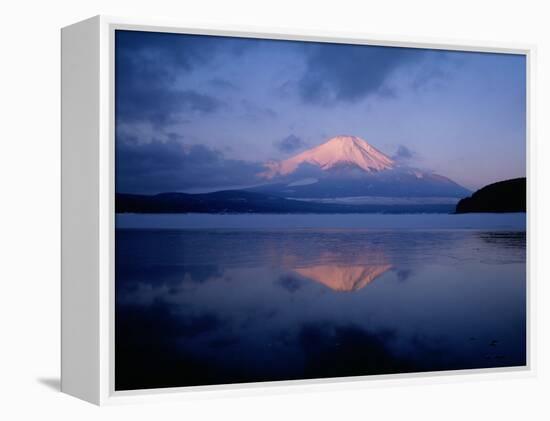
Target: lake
x=212, y=299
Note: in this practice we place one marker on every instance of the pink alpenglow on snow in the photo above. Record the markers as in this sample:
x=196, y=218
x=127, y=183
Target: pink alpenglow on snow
x=337, y=151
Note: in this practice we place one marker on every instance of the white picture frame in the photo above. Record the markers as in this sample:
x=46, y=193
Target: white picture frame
x=88, y=211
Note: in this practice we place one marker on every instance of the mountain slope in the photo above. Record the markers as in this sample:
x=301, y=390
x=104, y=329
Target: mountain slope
x=336, y=152
x=396, y=183
x=504, y=196
x=347, y=166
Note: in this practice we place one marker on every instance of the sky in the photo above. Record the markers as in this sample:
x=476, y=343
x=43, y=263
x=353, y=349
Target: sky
x=200, y=113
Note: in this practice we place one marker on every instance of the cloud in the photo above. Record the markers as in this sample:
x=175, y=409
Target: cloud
x=255, y=112
x=403, y=154
x=157, y=167
x=147, y=68
x=290, y=144
x=220, y=83
x=159, y=56
x=159, y=106
x=349, y=73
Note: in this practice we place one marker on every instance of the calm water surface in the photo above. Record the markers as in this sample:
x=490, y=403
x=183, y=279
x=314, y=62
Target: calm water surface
x=208, y=306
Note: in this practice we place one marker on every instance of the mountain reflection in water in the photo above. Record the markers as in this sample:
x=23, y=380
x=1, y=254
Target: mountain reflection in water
x=197, y=307
x=343, y=278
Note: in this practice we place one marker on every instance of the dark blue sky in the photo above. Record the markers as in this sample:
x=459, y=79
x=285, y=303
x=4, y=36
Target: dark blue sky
x=197, y=113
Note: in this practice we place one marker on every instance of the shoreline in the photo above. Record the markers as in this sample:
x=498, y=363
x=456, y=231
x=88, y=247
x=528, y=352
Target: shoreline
x=428, y=221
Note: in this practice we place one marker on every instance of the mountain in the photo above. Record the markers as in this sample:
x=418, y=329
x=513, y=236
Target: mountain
x=337, y=152
x=343, y=175
x=504, y=196
x=239, y=201
x=348, y=166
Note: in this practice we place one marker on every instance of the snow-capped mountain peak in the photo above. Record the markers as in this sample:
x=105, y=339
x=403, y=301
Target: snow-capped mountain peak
x=337, y=151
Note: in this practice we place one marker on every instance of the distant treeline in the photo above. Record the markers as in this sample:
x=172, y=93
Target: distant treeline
x=239, y=201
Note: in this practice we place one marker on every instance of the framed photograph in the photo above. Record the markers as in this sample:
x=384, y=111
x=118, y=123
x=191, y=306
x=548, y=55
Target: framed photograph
x=246, y=209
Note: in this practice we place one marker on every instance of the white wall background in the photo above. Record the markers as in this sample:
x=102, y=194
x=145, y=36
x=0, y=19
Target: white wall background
x=29, y=230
